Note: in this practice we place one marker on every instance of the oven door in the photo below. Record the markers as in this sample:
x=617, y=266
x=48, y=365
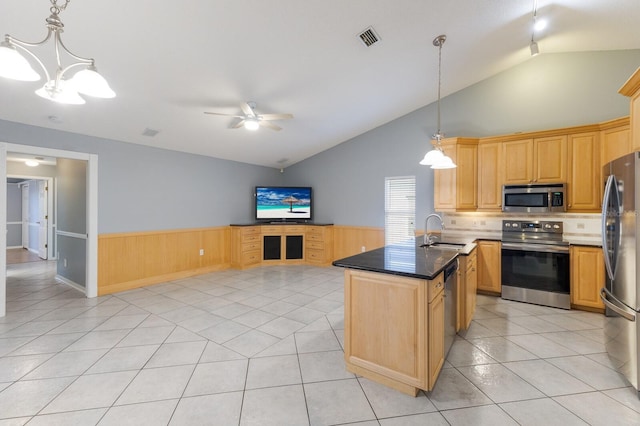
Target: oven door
x=541, y=267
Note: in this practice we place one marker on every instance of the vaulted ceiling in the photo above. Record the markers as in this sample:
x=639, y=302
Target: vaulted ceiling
x=169, y=62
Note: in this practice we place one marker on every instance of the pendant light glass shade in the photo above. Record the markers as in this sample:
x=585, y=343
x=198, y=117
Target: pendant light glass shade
x=63, y=93
x=432, y=157
x=14, y=66
x=444, y=163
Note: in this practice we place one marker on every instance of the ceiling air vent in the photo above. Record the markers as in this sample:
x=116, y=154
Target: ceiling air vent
x=368, y=37
x=150, y=132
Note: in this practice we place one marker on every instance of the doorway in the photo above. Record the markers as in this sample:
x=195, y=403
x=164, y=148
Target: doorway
x=91, y=236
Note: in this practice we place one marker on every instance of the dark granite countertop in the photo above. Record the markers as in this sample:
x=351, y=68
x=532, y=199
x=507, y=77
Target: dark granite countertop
x=408, y=260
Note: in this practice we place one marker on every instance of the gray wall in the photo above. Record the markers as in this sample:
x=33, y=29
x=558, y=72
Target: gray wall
x=14, y=214
x=548, y=91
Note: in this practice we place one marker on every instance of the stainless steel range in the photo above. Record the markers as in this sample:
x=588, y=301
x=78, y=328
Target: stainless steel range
x=535, y=263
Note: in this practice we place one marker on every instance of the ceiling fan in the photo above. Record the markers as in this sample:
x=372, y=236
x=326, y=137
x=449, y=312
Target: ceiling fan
x=252, y=121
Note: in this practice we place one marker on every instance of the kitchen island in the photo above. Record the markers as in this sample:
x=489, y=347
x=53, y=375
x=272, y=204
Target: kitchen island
x=395, y=315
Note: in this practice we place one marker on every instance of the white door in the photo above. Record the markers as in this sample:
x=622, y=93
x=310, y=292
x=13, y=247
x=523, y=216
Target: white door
x=43, y=218
x=25, y=216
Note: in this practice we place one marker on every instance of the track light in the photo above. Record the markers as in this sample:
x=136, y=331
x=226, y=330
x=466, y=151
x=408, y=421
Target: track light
x=534, y=48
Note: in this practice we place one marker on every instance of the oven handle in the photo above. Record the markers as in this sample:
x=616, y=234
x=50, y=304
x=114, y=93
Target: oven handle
x=543, y=248
x=604, y=295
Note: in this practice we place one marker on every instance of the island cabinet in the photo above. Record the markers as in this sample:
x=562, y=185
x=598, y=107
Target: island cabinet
x=583, y=186
x=457, y=189
x=246, y=246
x=467, y=288
x=539, y=160
x=490, y=176
x=394, y=329
x=632, y=89
x=587, y=277
x=489, y=266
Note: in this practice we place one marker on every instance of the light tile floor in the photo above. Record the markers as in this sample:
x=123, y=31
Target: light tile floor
x=264, y=347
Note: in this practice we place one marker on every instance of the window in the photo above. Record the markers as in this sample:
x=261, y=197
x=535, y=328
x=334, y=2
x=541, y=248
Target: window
x=399, y=209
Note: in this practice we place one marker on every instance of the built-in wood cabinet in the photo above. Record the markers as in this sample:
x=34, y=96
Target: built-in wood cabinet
x=583, y=186
x=246, y=246
x=394, y=329
x=467, y=288
x=457, y=189
x=539, y=160
x=632, y=89
x=587, y=277
x=615, y=140
x=489, y=266
x=319, y=245
x=489, y=176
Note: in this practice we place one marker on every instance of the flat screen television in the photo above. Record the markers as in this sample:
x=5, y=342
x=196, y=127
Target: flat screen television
x=283, y=203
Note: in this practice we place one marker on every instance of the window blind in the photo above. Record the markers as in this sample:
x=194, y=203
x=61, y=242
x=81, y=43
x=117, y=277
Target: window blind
x=399, y=209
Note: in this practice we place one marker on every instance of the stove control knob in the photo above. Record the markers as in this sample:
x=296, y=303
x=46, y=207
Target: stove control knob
x=507, y=225
x=556, y=226
x=514, y=224
x=547, y=226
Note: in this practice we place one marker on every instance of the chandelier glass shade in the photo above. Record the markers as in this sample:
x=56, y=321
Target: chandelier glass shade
x=58, y=88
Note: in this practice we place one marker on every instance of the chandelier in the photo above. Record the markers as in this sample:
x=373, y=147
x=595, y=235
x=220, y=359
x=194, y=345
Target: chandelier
x=57, y=87
x=436, y=157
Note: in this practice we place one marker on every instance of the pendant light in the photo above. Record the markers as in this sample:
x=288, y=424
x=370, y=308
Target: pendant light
x=436, y=157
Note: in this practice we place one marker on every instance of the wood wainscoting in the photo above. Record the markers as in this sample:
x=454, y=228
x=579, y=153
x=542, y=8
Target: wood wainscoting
x=132, y=260
x=349, y=240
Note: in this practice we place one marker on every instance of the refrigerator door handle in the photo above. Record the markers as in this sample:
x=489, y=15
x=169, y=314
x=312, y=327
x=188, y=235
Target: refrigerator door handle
x=605, y=204
x=624, y=312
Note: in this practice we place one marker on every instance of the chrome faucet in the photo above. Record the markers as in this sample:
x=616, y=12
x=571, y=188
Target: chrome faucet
x=428, y=238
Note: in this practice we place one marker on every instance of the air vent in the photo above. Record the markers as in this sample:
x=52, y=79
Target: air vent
x=150, y=132
x=369, y=37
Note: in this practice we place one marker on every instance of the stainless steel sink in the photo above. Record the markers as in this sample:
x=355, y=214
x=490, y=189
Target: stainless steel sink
x=447, y=246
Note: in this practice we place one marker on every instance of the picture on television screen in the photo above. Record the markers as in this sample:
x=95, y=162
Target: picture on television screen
x=283, y=203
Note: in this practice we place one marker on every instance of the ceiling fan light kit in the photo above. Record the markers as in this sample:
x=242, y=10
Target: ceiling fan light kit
x=58, y=89
x=252, y=121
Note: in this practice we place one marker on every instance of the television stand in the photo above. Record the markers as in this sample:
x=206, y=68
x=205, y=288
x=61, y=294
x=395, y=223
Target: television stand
x=283, y=222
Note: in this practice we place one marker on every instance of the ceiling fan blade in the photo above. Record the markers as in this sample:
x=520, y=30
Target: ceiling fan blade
x=276, y=116
x=238, y=124
x=247, y=109
x=269, y=125
x=224, y=115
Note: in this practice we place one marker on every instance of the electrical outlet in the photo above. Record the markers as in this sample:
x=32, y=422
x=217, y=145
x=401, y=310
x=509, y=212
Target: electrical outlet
x=363, y=249
x=64, y=262
x=453, y=221
x=580, y=225
x=483, y=223
x=201, y=252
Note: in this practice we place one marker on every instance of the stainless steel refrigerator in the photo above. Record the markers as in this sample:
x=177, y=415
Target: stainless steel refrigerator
x=620, y=232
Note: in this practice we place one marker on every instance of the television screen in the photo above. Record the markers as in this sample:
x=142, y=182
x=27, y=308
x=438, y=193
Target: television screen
x=283, y=203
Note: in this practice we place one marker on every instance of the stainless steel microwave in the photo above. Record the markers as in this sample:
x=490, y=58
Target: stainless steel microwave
x=534, y=198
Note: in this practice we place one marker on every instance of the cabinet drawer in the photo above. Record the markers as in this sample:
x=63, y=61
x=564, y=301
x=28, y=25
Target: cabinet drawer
x=316, y=245
x=315, y=236
x=298, y=230
x=251, y=257
x=277, y=229
x=251, y=238
x=250, y=230
x=255, y=245
x=435, y=287
x=315, y=255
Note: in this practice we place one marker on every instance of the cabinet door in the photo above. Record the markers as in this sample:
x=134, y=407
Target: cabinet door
x=489, y=179
x=445, y=183
x=471, y=287
x=635, y=122
x=466, y=177
x=489, y=264
x=436, y=338
x=518, y=161
x=587, y=276
x=615, y=143
x=550, y=159
x=584, y=173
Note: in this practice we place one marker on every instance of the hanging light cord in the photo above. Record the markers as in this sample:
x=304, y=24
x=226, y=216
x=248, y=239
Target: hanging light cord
x=439, y=41
x=535, y=16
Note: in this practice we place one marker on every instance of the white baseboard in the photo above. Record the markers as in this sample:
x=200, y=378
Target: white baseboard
x=70, y=283
x=14, y=247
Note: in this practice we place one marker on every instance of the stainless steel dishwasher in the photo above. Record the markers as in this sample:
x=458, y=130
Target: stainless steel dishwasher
x=450, y=305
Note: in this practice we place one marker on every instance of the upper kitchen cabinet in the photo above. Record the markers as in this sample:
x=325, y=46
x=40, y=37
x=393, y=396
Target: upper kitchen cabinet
x=489, y=176
x=457, y=189
x=615, y=140
x=583, y=186
x=632, y=89
x=539, y=160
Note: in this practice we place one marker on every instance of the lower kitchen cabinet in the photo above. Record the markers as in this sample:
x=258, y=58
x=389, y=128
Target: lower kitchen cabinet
x=587, y=277
x=394, y=329
x=489, y=265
